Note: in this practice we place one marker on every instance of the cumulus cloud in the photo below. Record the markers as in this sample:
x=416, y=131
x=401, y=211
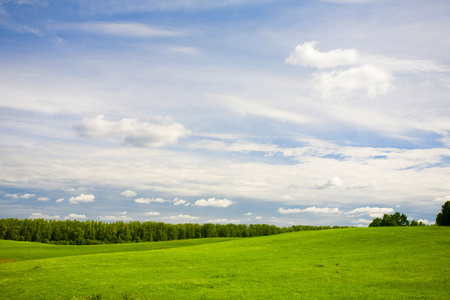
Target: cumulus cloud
x=152, y=213
x=313, y=209
x=177, y=202
x=43, y=199
x=425, y=221
x=150, y=200
x=214, y=202
x=59, y=200
x=82, y=199
x=156, y=132
x=128, y=193
x=115, y=218
x=26, y=196
x=15, y=196
x=374, y=212
x=369, y=79
x=42, y=216
x=75, y=216
x=248, y=214
x=307, y=55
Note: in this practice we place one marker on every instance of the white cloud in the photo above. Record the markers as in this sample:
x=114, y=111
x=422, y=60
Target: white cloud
x=370, y=79
x=213, y=202
x=332, y=182
x=115, y=218
x=59, y=200
x=308, y=55
x=42, y=216
x=43, y=199
x=152, y=213
x=156, y=132
x=258, y=218
x=123, y=213
x=121, y=29
x=15, y=196
x=442, y=199
x=256, y=108
x=248, y=214
x=375, y=212
x=128, y=193
x=223, y=221
x=75, y=216
x=177, y=201
x=150, y=200
x=26, y=196
x=183, y=217
x=313, y=209
x=82, y=199
x=362, y=221
x=425, y=221
x=283, y=211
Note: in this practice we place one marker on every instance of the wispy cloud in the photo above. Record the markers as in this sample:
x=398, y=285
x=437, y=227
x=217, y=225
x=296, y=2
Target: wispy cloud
x=313, y=209
x=120, y=29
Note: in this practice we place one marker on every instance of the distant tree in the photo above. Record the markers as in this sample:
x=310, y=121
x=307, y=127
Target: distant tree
x=443, y=218
x=414, y=223
x=396, y=219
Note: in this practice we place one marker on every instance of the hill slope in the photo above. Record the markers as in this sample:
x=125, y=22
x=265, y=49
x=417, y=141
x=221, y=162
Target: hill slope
x=375, y=263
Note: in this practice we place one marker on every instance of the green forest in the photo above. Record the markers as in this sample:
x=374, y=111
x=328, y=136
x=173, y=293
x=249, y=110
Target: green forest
x=73, y=232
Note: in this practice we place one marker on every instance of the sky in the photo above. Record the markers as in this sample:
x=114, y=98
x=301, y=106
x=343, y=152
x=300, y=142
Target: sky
x=278, y=112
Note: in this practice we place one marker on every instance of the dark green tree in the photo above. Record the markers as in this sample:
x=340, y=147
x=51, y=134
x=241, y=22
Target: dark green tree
x=443, y=218
x=376, y=222
x=396, y=219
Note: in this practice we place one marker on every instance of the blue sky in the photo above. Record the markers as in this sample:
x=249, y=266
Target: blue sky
x=280, y=112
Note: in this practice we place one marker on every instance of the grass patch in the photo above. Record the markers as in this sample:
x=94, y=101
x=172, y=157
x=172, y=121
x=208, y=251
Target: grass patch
x=374, y=263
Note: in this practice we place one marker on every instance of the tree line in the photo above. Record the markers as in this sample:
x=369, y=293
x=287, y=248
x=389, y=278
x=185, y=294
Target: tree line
x=74, y=232
x=397, y=219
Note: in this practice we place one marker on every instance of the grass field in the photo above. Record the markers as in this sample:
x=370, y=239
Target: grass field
x=355, y=263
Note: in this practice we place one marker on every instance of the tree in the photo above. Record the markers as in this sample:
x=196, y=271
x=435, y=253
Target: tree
x=396, y=219
x=414, y=223
x=443, y=218
x=376, y=222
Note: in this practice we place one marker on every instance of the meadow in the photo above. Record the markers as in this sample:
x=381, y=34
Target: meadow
x=353, y=263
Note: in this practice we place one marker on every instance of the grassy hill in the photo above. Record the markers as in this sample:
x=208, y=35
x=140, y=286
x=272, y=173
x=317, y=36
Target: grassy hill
x=355, y=263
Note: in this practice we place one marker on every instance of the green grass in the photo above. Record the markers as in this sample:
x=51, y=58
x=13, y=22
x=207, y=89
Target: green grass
x=356, y=263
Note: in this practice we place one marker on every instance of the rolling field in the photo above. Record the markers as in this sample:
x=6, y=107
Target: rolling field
x=355, y=263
